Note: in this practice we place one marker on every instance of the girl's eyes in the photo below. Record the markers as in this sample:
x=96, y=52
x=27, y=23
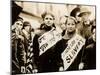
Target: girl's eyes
x=73, y=24
x=68, y=23
x=49, y=18
x=19, y=24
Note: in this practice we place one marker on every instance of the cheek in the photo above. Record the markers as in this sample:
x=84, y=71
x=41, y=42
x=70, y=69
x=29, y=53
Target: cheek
x=18, y=26
x=21, y=27
x=67, y=27
x=73, y=27
x=45, y=21
x=27, y=28
x=51, y=21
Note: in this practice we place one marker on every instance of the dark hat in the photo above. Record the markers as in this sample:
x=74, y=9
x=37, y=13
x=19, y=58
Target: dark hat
x=26, y=23
x=84, y=11
x=75, y=11
x=19, y=19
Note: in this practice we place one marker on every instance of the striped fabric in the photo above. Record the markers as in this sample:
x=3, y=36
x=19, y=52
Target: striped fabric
x=29, y=61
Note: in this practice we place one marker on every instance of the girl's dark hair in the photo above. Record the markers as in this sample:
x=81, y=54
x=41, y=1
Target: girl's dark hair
x=47, y=13
x=26, y=23
x=19, y=19
x=75, y=11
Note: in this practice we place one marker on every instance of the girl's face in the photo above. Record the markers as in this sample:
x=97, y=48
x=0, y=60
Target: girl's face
x=48, y=20
x=71, y=26
x=19, y=25
x=27, y=28
x=62, y=23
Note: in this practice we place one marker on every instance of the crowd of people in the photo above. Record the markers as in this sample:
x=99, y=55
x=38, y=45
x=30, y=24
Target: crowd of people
x=49, y=50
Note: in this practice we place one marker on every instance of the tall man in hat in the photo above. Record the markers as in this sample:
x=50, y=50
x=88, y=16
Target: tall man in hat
x=85, y=28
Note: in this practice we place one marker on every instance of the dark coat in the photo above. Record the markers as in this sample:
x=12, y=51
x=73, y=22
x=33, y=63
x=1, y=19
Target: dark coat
x=48, y=61
x=89, y=57
x=18, y=52
x=61, y=46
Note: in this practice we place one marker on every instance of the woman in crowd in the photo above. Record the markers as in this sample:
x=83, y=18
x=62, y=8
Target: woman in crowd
x=27, y=29
x=47, y=61
x=66, y=49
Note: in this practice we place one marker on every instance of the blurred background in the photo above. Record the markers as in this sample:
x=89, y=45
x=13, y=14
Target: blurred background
x=31, y=11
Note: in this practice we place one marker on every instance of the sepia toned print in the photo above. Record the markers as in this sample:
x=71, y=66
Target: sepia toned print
x=52, y=37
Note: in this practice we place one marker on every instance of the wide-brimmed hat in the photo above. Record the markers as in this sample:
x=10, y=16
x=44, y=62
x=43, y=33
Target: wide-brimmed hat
x=84, y=11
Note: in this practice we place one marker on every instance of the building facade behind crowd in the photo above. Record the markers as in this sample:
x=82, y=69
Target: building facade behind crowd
x=54, y=47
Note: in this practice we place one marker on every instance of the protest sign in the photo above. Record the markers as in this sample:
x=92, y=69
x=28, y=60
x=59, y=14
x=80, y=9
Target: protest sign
x=48, y=39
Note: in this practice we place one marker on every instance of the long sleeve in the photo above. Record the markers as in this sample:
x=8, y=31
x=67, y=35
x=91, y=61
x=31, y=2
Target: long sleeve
x=59, y=48
x=35, y=51
x=20, y=52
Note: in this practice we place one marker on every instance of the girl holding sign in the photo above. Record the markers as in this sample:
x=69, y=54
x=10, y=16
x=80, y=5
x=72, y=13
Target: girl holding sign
x=45, y=58
x=71, y=46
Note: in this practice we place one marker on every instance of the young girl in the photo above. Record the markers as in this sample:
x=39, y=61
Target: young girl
x=45, y=57
x=70, y=47
x=18, y=48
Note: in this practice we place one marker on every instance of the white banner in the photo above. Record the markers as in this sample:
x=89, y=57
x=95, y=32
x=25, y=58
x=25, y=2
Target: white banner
x=48, y=39
x=70, y=53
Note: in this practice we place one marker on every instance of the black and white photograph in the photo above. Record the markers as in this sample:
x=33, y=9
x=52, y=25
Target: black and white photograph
x=52, y=37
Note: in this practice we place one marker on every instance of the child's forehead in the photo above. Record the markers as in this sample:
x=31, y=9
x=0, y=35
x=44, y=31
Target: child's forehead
x=70, y=19
x=19, y=21
x=48, y=15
